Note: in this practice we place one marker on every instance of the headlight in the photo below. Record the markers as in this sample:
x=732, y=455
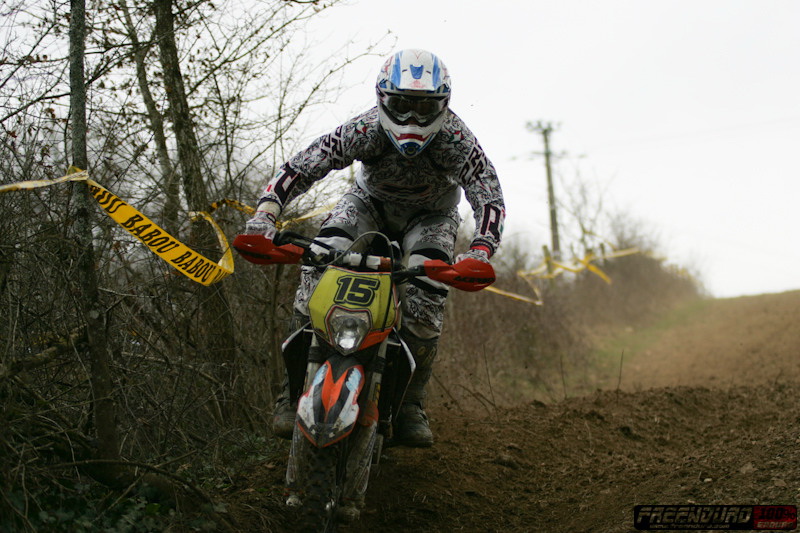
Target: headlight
x=348, y=328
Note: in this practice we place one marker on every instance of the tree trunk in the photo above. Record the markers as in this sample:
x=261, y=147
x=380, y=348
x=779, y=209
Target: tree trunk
x=102, y=385
x=215, y=328
x=188, y=150
x=171, y=184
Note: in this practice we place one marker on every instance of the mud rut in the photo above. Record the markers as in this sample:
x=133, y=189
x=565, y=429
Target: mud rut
x=707, y=412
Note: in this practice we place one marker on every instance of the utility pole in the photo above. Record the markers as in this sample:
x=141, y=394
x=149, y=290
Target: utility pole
x=546, y=128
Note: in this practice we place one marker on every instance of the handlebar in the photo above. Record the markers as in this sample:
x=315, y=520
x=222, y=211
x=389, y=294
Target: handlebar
x=291, y=237
x=288, y=247
x=332, y=256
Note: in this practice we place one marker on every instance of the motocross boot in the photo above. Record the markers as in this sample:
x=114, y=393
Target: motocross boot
x=412, y=421
x=283, y=416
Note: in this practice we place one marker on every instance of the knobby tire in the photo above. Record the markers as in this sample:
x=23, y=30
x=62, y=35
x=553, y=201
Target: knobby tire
x=318, y=513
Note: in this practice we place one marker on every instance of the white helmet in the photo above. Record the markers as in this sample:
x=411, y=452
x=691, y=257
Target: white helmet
x=413, y=92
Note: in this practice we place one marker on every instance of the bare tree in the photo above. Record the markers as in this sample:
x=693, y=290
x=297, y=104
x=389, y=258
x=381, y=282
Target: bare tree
x=107, y=357
x=218, y=337
x=171, y=183
x=102, y=386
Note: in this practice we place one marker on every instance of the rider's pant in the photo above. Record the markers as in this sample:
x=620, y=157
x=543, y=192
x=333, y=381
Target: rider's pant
x=422, y=234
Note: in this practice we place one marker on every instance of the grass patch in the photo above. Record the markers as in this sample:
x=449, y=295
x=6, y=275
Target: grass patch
x=627, y=343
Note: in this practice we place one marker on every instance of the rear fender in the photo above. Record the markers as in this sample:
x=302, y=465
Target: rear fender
x=327, y=412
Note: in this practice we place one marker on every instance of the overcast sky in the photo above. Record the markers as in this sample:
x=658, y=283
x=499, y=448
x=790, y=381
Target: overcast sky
x=683, y=114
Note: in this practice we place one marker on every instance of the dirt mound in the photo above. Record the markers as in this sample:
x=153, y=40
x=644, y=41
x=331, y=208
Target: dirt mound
x=706, y=412
x=748, y=341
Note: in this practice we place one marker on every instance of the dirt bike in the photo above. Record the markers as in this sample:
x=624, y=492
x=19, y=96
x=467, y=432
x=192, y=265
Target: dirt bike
x=348, y=367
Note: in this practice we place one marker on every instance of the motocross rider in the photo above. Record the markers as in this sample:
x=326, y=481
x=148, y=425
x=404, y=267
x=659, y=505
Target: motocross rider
x=416, y=156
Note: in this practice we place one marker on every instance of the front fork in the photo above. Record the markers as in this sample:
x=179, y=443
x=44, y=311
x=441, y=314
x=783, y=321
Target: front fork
x=358, y=447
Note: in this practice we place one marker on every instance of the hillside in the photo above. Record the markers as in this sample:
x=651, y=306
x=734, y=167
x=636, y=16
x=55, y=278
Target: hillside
x=704, y=411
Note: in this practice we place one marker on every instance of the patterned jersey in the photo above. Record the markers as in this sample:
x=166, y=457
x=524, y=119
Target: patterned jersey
x=433, y=179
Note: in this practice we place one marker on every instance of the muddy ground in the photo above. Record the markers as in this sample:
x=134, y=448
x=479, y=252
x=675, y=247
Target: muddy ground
x=706, y=410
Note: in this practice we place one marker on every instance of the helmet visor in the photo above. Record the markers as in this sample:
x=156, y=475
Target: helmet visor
x=423, y=109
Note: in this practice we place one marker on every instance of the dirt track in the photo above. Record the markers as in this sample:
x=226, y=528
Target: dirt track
x=707, y=411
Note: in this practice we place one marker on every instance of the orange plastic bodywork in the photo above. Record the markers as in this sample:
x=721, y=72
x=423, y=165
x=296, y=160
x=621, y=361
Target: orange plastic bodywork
x=467, y=275
x=262, y=251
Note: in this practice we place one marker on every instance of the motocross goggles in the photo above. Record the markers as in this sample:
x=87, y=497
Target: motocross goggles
x=423, y=109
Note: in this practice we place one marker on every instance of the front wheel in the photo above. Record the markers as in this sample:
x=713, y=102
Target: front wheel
x=322, y=488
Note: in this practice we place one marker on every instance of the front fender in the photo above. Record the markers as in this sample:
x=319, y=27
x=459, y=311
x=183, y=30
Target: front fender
x=328, y=410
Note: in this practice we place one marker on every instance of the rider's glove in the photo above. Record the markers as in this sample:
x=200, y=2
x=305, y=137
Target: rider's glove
x=478, y=253
x=264, y=221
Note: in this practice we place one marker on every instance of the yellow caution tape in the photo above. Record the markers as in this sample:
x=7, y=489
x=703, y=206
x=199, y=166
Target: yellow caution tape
x=310, y=214
x=236, y=204
x=602, y=275
x=202, y=270
x=550, y=269
x=34, y=184
x=179, y=256
x=622, y=253
x=587, y=264
x=515, y=296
